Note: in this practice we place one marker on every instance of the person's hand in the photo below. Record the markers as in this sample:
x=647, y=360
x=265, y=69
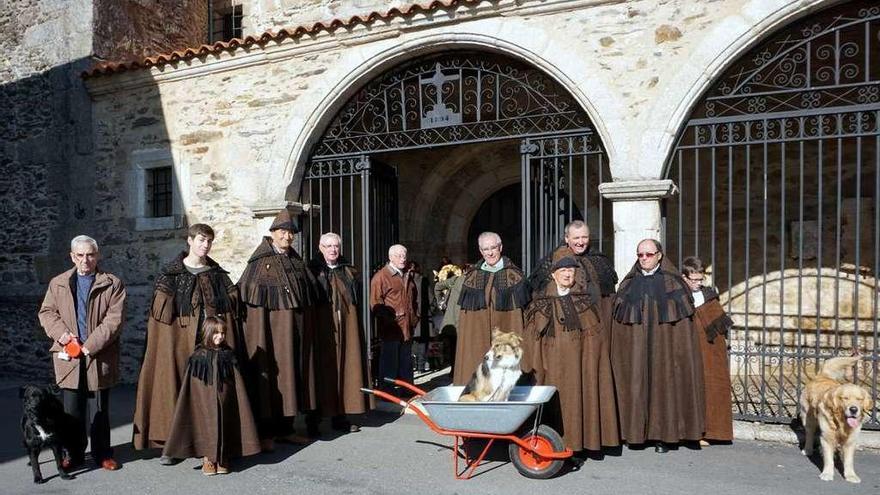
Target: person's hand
x=85, y=351
x=65, y=338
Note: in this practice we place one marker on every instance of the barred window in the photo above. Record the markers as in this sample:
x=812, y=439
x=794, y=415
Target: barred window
x=225, y=20
x=159, y=192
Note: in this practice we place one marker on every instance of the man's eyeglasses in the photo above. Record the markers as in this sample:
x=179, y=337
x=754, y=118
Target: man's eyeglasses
x=646, y=255
x=489, y=249
x=695, y=280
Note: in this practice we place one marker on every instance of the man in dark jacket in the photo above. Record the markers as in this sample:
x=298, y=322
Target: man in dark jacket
x=394, y=304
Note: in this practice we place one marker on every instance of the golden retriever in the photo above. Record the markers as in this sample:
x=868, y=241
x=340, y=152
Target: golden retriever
x=838, y=409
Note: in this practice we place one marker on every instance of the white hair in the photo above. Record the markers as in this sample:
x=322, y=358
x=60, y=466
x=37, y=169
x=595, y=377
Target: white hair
x=83, y=239
x=330, y=235
x=486, y=236
x=396, y=248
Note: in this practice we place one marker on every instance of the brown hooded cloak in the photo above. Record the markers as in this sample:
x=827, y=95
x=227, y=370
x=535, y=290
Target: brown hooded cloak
x=565, y=347
x=280, y=294
x=712, y=325
x=343, y=372
x=655, y=356
x=213, y=417
x=181, y=301
x=488, y=300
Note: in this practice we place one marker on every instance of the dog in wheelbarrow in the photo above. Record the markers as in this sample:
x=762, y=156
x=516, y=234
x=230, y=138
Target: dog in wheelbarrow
x=498, y=372
x=837, y=408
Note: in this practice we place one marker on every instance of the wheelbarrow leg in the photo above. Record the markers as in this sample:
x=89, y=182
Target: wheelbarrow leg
x=470, y=465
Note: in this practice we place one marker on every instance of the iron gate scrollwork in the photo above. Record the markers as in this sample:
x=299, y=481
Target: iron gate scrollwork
x=560, y=179
x=451, y=98
x=779, y=173
x=355, y=197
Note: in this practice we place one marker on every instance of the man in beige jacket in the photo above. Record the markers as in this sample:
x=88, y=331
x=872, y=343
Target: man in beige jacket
x=86, y=305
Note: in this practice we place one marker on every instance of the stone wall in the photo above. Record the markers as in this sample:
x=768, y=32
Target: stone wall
x=133, y=29
x=44, y=111
x=263, y=15
x=51, y=190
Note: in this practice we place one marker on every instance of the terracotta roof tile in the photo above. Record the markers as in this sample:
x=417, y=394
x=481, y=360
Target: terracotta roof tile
x=106, y=68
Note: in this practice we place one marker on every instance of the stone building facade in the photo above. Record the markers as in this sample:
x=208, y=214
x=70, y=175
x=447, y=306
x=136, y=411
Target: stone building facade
x=240, y=123
x=47, y=173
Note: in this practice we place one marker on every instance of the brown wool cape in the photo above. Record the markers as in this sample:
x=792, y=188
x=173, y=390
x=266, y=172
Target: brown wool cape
x=213, y=417
x=488, y=300
x=712, y=325
x=280, y=294
x=655, y=356
x=565, y=347
x=180, y=302
x=343, y=372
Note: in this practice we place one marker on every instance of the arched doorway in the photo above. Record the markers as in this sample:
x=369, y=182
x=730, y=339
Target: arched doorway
x=447, y=128
x=779, y=173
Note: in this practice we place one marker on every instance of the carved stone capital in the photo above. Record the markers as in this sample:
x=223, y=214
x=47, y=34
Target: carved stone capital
x=638, y=190
x=295, y=207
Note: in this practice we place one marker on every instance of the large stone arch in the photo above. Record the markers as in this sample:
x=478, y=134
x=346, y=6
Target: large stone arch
x=535, y=46
x=722, y=47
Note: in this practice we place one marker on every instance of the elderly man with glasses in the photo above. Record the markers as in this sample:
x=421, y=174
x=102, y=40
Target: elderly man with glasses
x=493, y=295
x=655, y=354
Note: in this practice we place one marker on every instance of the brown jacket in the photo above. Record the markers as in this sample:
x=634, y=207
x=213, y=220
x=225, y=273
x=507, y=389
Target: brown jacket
x=106, y=314
x=394, y=304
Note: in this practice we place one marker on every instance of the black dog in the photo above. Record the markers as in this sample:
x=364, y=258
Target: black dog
x=44, y=424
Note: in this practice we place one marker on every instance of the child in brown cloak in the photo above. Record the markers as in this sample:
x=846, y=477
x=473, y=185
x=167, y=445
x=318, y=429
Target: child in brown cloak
x=213, y=417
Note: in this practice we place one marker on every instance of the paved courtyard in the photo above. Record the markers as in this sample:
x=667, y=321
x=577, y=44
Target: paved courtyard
x=398, y=454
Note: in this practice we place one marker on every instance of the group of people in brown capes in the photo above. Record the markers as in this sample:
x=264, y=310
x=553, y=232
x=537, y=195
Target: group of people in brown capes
x=228, y=367
x=643, y=364
x=292, y=346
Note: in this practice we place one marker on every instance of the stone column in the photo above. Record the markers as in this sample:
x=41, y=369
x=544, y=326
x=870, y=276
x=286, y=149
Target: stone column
x=636, y=215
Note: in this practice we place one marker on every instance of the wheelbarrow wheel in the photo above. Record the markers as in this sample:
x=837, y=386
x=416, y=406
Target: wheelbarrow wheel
x=530, y=463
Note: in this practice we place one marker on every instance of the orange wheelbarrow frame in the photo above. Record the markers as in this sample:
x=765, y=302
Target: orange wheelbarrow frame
x=542, y=452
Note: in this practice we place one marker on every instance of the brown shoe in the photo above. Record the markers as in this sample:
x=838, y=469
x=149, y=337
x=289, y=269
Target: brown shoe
x=221, y=469
x=208, y=468
x=267, y=445
x=294, y=439
x=109, y=464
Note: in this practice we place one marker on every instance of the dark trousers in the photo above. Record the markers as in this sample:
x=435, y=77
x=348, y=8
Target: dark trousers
x=92, y=413
x=395, y=361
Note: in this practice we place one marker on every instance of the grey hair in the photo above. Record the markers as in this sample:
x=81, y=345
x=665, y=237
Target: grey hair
x=330, y=235
x=576, y=224
x=396, y=247
x=80, y=239
x=488, y=235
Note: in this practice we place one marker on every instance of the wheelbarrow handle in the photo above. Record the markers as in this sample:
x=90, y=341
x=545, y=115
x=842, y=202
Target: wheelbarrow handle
x=407, y=385
x=386, y=396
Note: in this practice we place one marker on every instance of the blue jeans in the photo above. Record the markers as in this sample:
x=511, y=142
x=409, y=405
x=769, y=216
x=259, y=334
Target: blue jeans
x=395, y=361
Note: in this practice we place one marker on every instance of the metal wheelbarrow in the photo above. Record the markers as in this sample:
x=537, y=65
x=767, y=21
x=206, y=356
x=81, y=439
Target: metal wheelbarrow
x=536, y=450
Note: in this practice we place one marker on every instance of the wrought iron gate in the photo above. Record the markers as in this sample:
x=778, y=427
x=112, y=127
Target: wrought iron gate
x=355, y=197
x=779, y=173
x=561, y=175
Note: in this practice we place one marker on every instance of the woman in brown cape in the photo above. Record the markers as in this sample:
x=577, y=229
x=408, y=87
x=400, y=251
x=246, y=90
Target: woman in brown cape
x=213, y=417
x=188, y=290
x=565, y=347
x=712, y=325
x=655, y=354
x=493, y=294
